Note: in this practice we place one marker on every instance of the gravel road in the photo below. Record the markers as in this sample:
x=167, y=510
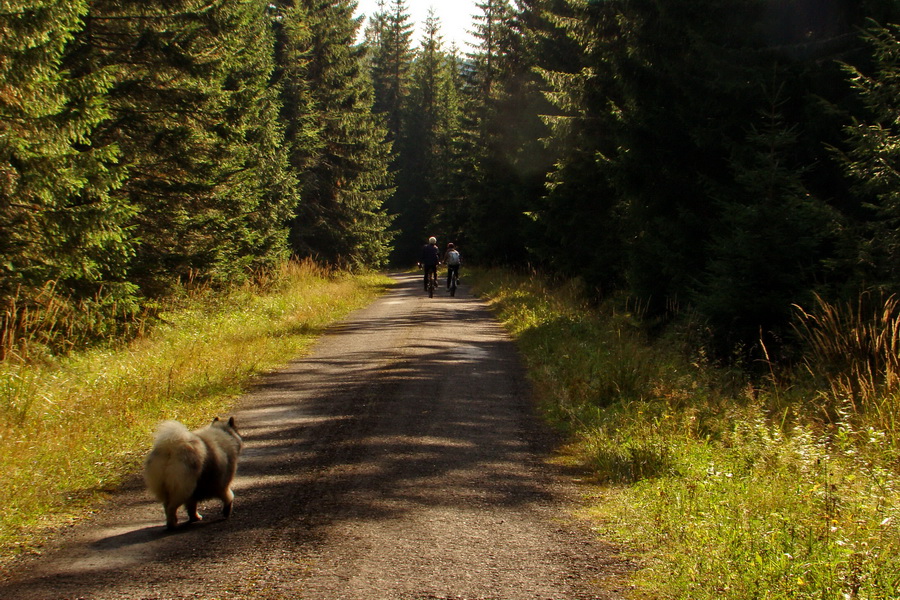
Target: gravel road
x=400, y=460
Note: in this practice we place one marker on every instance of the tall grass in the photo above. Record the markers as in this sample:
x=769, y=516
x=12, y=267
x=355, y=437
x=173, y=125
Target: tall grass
x=716, y=495
x=854, y=351
x=71, y=428
x=50, y=322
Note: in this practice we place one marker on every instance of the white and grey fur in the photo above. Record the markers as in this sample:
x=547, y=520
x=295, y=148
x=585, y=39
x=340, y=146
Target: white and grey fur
x=185, y=467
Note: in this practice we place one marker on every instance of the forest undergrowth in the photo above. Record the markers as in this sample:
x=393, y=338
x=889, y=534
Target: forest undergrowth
x=73, y=426
x=721, y=485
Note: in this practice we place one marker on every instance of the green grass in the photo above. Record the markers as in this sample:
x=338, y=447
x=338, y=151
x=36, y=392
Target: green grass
x=72, y=428
x=720, y=489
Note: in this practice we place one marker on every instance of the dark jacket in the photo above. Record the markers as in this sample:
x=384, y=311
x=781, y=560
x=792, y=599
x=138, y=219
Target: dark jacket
x=430, y=255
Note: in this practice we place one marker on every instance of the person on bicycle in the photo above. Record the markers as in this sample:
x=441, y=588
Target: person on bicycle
x=430, y=259
x=452, y=260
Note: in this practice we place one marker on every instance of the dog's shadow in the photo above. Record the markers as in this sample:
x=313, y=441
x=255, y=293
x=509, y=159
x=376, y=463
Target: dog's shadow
x=150, y=533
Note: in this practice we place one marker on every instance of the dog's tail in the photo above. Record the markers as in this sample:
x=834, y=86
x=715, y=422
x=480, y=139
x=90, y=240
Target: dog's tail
x=174, y=465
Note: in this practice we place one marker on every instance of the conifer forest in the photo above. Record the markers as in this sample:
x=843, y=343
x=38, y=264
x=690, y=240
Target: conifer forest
x=731, y=158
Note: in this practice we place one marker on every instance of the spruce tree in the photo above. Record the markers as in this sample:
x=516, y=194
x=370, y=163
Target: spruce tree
x=767, y=251
x=580, y=221
x=489, y=191
x=424, y=201
x=669, y=181
x=374, y=29
x=390, y=59
x=254, y=185
x=341, y=218
x=873, y=159
x=60, y=220
x=303, y=140
x=517, y=132
x=492, y=30
x=690, y=81
x=196, y=121
x=391, y=62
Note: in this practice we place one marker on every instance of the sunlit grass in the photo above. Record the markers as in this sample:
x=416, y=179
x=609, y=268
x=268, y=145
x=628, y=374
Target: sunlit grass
x=72, y=428
x=716, y=494
x=854, y=353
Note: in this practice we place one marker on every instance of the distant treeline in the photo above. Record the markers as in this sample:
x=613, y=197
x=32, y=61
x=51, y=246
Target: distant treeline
x=727, y=158
x=723, y=159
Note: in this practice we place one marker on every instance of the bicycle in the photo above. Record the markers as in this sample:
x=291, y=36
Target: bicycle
x=454, y=277
x=432, y=283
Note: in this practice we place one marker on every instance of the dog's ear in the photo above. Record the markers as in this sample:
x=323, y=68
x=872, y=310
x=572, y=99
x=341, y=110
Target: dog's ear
x=216, y=420
x=231, y=423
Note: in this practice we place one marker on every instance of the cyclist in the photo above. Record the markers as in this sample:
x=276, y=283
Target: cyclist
x=452, y=260
x=430, y=259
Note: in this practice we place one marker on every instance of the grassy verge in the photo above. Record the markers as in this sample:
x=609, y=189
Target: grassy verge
x=72, y=428
x=721, y=488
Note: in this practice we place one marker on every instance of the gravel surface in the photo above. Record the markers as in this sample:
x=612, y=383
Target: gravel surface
x=400, y=460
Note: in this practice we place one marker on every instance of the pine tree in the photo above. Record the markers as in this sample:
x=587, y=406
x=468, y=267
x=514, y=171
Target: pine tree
x=662, y=94
x=692, y=81
x=60, y=220
x=303, y=139
x=492, y=30
x=341, y=218
x=196, y=121
x=375, y=24
x=390, y=59
x=452, y=161
x=254, y=182
x=391, y=62
x=424, y=201
x=519, y=128
x=582, y=214
x=668, y=179
x=505, y=128
x=873, y=158
x=768, y=249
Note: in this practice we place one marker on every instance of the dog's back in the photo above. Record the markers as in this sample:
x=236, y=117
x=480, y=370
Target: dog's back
x=223, y=446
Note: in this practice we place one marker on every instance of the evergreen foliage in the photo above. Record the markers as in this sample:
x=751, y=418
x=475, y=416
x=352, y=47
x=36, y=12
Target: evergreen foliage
x=696, y=155
x=193, y=114
x=680, y=180
x=671, y=151
x=768, y=249
x=427, y=160
x=391, y=62
x=433, y=136
x=341, y=218
x=303, y=129
x=493, y=101
x=150, y=143
x=580, y=218
x=61, y=221
x=256, y=180
x=873, y=157
x=390, y=59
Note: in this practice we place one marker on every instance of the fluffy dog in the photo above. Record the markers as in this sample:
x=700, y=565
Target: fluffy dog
x=185, y=467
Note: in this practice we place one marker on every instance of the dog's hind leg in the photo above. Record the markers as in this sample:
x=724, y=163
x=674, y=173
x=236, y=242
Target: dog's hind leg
x=193, y=515
x=227, y=502
x=171, y=515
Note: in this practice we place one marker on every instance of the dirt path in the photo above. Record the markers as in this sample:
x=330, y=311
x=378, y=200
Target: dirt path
x=399, y=461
